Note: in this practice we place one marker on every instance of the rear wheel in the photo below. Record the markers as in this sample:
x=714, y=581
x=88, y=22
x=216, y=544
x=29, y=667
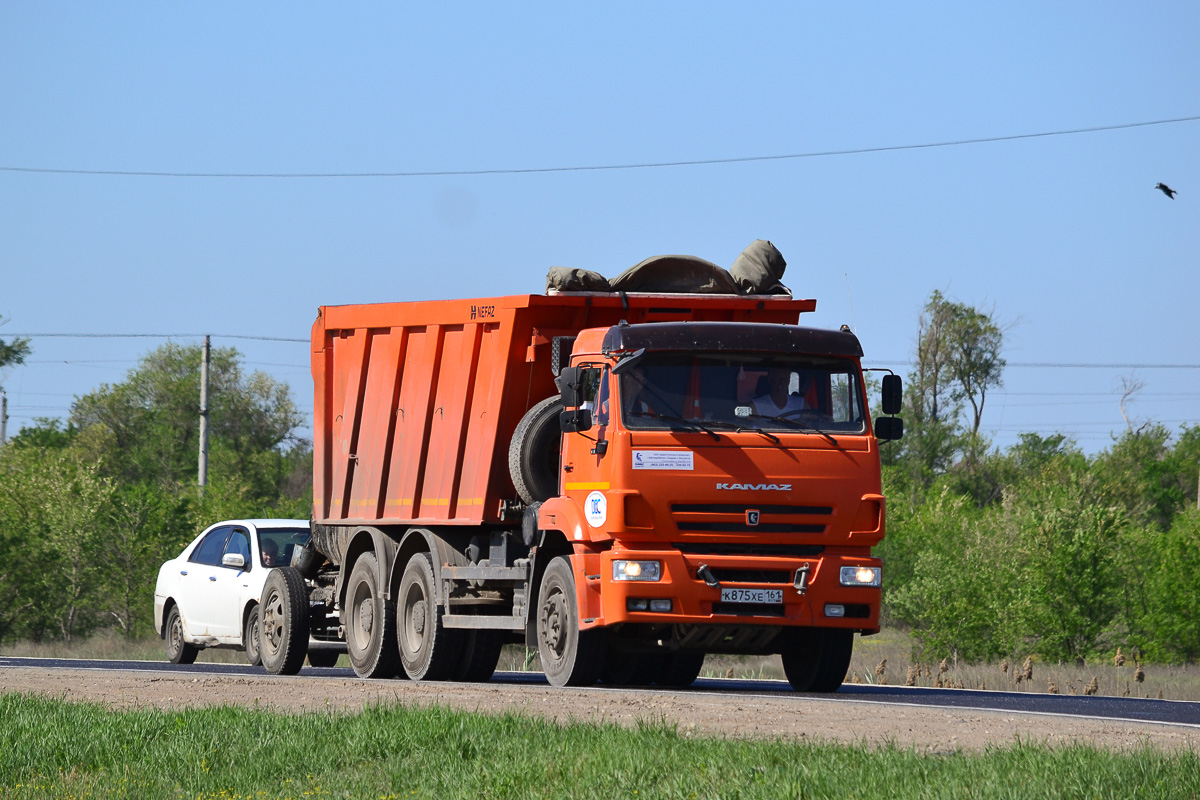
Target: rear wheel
x=370, y=622
x=428, y=650
x=570, y=657
x=283, y=622
x=250, y=638
x=816, y=659
x=178, y=651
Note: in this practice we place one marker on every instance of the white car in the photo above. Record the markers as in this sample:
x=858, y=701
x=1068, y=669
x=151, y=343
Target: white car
x=208, y=596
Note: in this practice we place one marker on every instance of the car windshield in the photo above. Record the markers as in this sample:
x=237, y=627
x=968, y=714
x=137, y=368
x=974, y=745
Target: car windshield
x=765, y=391
x=275, y=545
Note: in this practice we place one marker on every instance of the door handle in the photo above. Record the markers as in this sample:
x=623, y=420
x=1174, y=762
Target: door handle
x=183, y=572
x=212, y=577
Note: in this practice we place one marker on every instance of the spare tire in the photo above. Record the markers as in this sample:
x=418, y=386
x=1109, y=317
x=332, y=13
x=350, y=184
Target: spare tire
x=533, y=455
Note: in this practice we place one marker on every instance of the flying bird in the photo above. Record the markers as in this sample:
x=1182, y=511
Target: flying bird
x=1167, y=190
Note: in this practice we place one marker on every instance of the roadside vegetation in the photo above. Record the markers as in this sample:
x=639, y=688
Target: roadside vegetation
x=1038, y=553
x=50, y=748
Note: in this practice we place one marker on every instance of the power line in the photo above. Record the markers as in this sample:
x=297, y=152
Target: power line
x=152, y=336
x=602, y=167
x=1060, y=365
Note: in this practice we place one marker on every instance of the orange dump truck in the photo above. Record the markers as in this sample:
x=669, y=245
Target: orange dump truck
x=626, y=482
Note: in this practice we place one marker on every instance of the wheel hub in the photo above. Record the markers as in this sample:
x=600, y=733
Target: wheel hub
x=417, y=617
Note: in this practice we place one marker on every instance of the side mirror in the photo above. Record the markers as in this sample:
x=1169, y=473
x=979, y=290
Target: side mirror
x=889, y=429
x=569, y=382
x=893, y=390
x=575, y=420
x=233, y=560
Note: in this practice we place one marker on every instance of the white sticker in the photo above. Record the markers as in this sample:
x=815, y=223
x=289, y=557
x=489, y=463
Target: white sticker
x=663, y=459
x=596, y=508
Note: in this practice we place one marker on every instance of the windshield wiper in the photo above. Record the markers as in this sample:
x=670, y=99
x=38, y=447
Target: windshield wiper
x=798, y=424
x=672, y=418
x=744, y=428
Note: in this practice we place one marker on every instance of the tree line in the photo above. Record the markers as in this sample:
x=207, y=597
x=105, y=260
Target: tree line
x=1038, y=549
x=90, y=508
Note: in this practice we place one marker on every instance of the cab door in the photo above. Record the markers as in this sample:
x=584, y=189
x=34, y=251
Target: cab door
x=586, y=462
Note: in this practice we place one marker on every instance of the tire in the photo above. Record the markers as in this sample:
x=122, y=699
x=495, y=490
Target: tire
x=680, y=670
x=370, y=623
x=323, y=658
x=283, y=622
x=570, y=657
x=428, y=650
x=533, y=454
x=480, y=655
x=816, y=659
x=250, y=638
x=178, y=651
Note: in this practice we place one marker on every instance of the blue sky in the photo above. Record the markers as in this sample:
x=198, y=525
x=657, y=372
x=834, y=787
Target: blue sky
x=1063, y=237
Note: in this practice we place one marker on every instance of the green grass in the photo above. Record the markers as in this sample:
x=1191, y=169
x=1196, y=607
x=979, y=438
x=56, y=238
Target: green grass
x=51, y=748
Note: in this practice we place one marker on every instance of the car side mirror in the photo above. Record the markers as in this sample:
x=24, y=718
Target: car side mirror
x=234, y=560
x=889, y=429
x=575, y=420
x=570, y=385
x=893, y=390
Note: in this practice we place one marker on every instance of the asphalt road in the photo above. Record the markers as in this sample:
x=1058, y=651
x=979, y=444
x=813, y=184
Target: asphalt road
x=1168, y=712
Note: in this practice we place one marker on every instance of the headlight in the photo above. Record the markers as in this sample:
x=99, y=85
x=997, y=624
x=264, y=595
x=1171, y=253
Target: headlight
x=637, y=570
x=861, y=576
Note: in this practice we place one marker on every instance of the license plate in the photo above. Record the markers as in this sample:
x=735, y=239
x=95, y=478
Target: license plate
x=751, y=595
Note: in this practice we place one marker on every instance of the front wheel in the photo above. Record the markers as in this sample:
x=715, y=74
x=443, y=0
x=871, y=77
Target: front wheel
x=178, y=651
x=250, y=638
x=816, y=659
x=283, y=622
x=570, y=657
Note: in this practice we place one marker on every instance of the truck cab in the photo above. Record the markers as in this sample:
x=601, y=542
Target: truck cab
x=721, y=483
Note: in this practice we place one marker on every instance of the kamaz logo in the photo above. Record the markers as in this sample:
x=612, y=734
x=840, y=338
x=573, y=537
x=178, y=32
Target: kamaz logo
x=756, y=487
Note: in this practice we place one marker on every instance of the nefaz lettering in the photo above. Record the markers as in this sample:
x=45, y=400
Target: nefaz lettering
x=757, y=487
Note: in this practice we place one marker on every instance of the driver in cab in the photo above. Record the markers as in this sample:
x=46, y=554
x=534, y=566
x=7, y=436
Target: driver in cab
x=777, y=401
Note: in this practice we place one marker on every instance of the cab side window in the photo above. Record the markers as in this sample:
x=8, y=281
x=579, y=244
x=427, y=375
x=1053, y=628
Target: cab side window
x=212, y=547
x=595, y=394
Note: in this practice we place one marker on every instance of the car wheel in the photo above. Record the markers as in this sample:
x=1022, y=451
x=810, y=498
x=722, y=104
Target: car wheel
x=283, y=622
x=370, y=622
x=250, y=638
x=323, y=658
x=428, y=650
x=178, y=651
x=570, y=657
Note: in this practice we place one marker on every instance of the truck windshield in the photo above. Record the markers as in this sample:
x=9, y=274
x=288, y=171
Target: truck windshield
x=775, y=392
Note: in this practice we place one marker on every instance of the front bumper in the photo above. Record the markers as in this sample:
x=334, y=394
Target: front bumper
x=802, y=602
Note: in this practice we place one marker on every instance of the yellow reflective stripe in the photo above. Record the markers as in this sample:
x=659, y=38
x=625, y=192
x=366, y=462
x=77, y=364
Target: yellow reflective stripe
x=587, y=487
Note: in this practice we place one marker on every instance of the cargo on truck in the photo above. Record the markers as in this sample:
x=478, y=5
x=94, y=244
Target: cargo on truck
x=625, y=481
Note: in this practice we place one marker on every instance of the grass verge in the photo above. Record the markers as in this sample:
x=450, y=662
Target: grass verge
x=51, y=748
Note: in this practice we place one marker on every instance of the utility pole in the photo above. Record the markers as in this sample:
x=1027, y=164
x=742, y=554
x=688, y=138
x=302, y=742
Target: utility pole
x=203, y=474
x=3, y=418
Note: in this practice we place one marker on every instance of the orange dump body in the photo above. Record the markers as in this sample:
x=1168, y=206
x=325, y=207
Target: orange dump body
x=415, y=403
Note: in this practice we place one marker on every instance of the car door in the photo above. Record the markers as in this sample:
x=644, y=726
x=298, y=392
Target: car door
x=228, y=589
x=196, y=578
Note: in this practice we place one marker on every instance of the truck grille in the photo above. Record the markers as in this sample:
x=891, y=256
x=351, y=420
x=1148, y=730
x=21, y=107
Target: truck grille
x=749, y=549
x=731, y=518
